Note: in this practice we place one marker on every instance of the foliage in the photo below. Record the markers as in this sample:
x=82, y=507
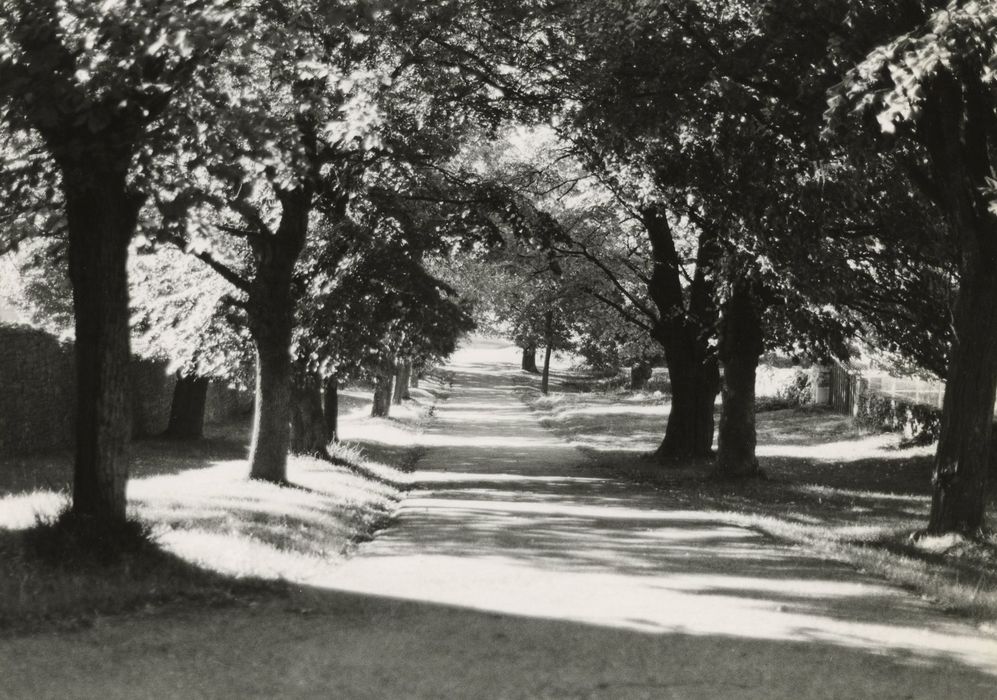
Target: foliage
x=920, y=423
x=106, y=82
x=800, y=391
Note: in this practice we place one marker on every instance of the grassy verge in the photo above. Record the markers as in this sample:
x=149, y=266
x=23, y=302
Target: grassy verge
x=205, y=534
x=831, y=486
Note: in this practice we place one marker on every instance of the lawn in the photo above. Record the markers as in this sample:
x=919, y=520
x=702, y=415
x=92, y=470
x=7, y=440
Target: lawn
x=829, y=485
x=214, y=537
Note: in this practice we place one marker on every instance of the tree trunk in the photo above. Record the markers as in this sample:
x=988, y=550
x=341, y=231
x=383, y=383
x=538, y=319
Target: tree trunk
x=961, y=460
x=330, y=408
x=640, y=375
x=414, y=378
x=545, y=380
x=695, y=382
x=309, y=430
x=956, y=128
x=187, y=410
x=101, y=217
x=408, y=380
x=686, y=317
x=270, y=309
x=382, y=395
x=272, y=415
x=530, y=359
x=401, y=382
x=741, y=345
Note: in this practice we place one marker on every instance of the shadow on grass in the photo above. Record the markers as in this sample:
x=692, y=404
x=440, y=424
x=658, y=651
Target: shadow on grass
x=41, y=590
x=337, y=643
x=53, y=471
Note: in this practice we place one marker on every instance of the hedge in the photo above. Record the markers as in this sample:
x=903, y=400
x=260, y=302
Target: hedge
x=921, y=424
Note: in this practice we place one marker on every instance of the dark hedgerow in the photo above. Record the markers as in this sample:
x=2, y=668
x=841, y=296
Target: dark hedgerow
x=921, y=424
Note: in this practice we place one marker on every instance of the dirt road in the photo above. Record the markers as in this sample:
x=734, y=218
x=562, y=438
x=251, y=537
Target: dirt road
x=513, y=571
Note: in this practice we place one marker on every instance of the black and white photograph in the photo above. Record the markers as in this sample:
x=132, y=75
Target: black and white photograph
x=498, y=349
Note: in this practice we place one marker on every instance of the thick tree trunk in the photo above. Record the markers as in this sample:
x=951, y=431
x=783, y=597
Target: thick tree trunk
x=695, y=382
x=330, y=407
x=545, y=378
x=957, y=128
x=530, y=359
x=961, y=460
x=187, y=410
x=686, y=316
x=640, y=375
x=309, y=430
x=102, y=217
x=401, y=382
x=271, y=321
x=272, y=415
x=741, y=345
x=382, y=395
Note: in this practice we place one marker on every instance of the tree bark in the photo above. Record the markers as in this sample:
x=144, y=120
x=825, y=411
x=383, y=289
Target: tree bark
x=741, y=345
x=309, y=430
x=961, y=460
x=640, y=375
x=187, y=409
x=270, y=308
x=545, y=378
x=401, y=382
x=530, y=359
x=406, y=394
x=695, y=382
x=682, y=329
x=102, y=216
x=958, y=131
x=330, y=407
x=272, y=414
x=382, y=395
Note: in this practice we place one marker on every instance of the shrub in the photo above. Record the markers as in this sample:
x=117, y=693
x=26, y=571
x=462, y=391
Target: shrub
x=920, y=424
x=799, y=391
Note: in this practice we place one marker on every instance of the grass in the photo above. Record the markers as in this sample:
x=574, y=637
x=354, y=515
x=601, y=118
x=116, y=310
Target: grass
x=199, y=532
x=830, y=485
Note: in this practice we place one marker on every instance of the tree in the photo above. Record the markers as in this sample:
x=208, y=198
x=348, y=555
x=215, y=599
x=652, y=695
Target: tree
x=930, y=89
x=309, y=94
x=185, y=314
x=86, y=92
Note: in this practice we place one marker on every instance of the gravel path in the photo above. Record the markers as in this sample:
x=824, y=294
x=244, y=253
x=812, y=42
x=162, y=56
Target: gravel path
x=512, y=571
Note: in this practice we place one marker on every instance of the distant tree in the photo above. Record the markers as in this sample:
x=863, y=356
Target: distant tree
x=185, y=314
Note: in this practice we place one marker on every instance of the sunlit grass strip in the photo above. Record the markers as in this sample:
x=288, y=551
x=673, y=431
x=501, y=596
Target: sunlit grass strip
x=208, y=535
x=873, y=550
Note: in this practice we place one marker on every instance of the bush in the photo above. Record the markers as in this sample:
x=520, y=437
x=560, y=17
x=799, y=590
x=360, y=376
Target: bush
x=799, y=392
x=920, y=424
x=773, y=403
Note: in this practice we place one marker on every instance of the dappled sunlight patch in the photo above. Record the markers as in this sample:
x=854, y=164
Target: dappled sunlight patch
x=827, y=491
x=442, y=439
x=507, y=519
x=880, y=446
x=242, y=556
x=22, y=510
x=707, y=604
x=454, y=478
x=275, y=528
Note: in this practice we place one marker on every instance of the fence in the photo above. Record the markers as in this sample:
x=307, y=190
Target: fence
x=846, y=385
